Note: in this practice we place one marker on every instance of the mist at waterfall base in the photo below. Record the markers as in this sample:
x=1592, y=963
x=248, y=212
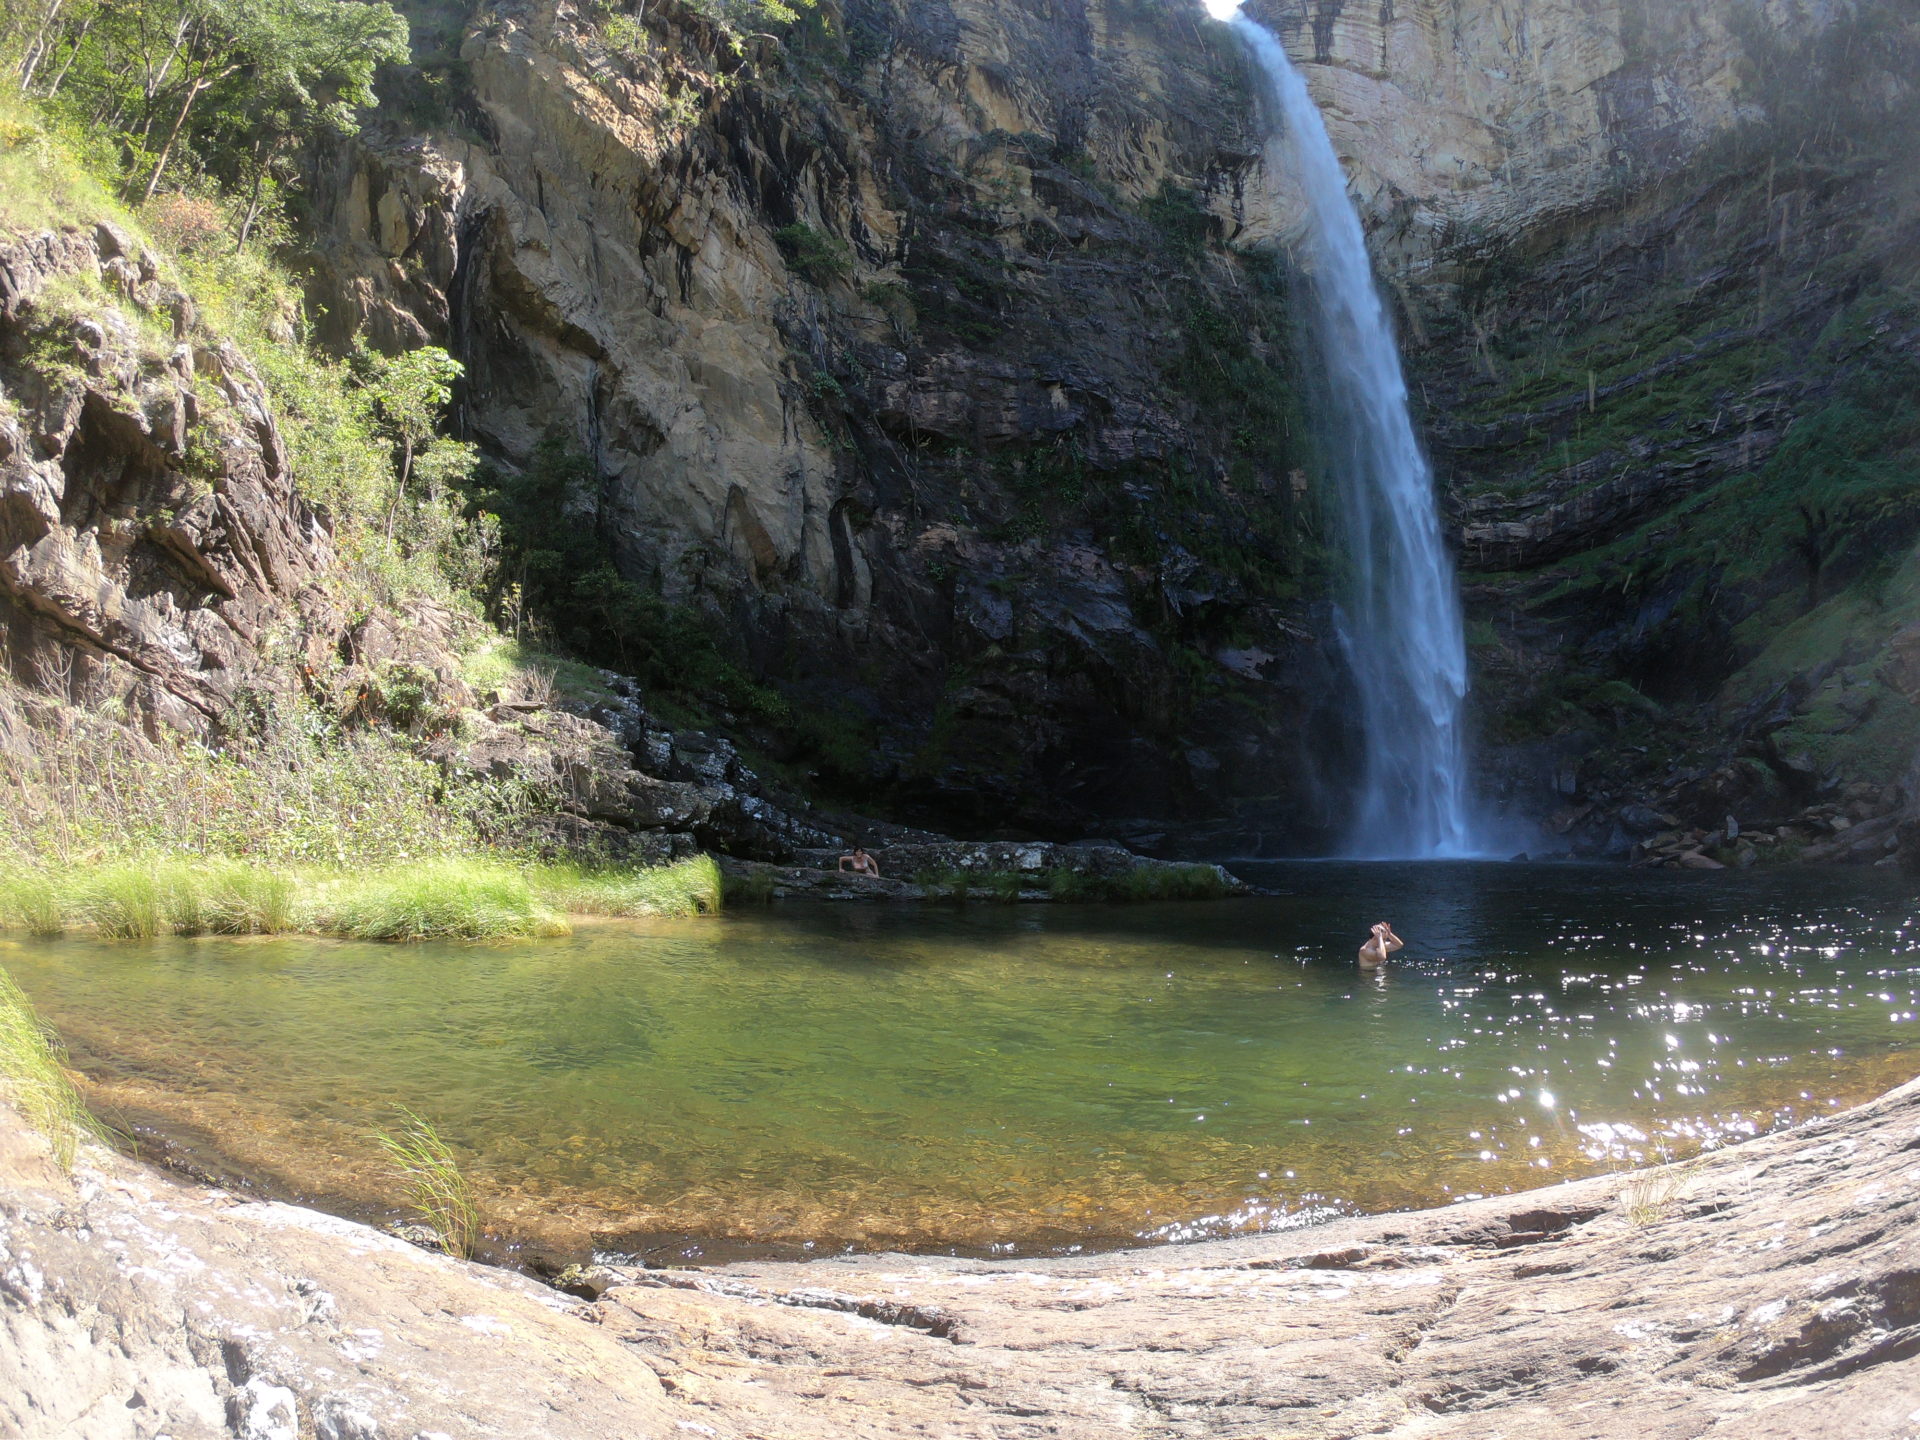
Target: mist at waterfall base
x=1399, y=620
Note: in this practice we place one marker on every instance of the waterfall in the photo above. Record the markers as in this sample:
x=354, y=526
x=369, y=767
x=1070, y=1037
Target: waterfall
x=1400, y=617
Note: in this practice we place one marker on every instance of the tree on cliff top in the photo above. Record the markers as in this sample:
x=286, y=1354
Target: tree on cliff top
x=220, y=87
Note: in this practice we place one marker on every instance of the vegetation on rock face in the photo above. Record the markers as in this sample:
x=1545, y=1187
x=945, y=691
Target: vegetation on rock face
x=1688, y=456
x=299, y=789
x=1729, y=406
x=319, y=768
x=556, y=574
x=224, y=92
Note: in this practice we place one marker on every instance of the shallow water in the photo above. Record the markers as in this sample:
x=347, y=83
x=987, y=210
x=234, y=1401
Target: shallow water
x=1022, y=1078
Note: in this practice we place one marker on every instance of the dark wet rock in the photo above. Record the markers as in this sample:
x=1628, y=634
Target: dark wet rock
x=948, y=869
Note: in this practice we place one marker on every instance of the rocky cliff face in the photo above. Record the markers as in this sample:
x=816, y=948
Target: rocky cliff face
x=906, y=355
x=160, y=569
x=1501, y=120
x=938, y=358
x=1676, y=434
x=152, y=546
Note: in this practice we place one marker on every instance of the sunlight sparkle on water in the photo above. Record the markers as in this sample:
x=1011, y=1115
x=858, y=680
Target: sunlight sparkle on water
x=1012, y=1079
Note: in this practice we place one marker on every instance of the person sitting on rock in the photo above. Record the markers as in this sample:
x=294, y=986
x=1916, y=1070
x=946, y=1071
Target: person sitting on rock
x=859, y=862
x=1374, y=953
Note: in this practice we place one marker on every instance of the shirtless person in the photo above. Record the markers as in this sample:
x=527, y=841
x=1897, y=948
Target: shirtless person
x=859, y=862
x=1374, y=953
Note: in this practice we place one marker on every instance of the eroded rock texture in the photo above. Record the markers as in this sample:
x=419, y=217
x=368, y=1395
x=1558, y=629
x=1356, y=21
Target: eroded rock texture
x=872, y=349
x=942, y=358
x=152, y=543
x=1771, y=1290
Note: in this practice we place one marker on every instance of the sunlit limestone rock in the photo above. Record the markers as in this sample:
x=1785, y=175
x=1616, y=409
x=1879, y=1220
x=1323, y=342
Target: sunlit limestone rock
x=1493, y=119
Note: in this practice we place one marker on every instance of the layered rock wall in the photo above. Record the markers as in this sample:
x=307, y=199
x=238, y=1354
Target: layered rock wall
x=866, y=341
x=152, y=543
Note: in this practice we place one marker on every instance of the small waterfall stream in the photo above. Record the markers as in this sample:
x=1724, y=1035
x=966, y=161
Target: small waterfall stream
x=1400, y=617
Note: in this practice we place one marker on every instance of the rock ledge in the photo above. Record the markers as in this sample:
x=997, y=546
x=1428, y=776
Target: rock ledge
x=1770, y=1290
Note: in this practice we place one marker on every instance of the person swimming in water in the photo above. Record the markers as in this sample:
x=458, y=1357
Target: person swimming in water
x=1374, y=953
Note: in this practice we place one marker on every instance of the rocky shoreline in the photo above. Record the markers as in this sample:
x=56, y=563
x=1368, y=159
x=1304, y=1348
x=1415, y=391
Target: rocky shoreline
x=1768, y=1290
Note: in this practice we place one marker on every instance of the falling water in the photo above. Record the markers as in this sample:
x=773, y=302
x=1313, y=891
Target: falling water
x=1401, y=620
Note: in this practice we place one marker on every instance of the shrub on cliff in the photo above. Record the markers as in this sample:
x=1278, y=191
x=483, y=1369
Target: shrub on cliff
x=813, y=254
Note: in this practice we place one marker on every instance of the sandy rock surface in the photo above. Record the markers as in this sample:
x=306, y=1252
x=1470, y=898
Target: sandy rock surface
x=1772, y=1290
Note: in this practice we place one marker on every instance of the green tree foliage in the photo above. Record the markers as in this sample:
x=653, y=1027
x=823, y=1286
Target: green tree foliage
x=411, y=392
x=814, y=254
x=224, y=88
x=750, y=14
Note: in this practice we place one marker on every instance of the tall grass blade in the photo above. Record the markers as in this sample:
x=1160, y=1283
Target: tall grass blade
x=31, y=902
x=124, y=902
x=441, y=900
x=31, y=1067
x=435, y=1188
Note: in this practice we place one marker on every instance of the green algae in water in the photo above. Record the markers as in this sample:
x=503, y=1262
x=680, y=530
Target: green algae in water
x=1021, y=1078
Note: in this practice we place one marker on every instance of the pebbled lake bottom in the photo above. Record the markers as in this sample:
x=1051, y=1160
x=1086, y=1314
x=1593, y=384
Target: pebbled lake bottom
x=1015, y=1079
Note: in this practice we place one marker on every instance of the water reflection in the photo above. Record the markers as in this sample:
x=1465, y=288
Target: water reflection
x=998, y=1078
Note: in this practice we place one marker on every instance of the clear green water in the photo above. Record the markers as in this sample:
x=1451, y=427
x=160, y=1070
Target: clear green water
x=1022, y=1077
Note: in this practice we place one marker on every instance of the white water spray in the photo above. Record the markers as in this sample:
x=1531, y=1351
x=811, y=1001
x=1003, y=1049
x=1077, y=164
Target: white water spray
x=1401, y=622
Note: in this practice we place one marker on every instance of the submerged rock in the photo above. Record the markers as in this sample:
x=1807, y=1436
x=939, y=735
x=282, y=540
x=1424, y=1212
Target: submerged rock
x=1767, y=1290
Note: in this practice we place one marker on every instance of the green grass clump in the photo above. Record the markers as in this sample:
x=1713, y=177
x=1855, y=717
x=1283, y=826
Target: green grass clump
x=1005, y=886
x=455, y=899
x=30, y=1065
x=687, y=887
x=517, y=669
x=29, y=901
x=1070, y=885
x=124, y=902
x=252, y=900
x=458, y=898
x=435, y=1188
x=955, y=885
x=1169, y=882
x=1141, y=884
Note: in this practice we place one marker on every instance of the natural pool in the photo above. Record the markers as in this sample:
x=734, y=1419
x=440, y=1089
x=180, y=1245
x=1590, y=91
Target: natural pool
x=1020, y=1078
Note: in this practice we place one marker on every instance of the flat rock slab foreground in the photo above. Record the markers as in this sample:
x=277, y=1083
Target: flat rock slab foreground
x=1770, y=1290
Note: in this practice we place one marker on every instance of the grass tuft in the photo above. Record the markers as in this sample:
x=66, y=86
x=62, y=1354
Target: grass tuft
x=252, y=900
x=30, y=902
x=460, y=898
x=688, y=887
x=440, y=900
x=1168, y=882
x=31, y=1065
x=124, y=902
x=435, y=1188
x=954, y=885
x=1649, y=1197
